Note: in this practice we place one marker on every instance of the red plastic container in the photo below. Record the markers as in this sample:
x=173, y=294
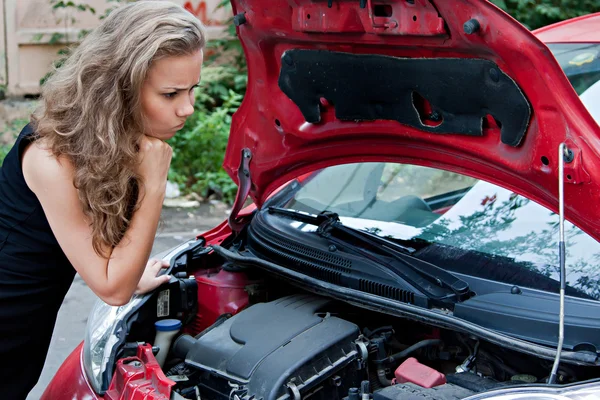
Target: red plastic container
x=219, y=292
x=413, y=371
x=145, y=381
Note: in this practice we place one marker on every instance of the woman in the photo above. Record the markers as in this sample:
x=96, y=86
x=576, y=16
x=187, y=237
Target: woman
x=82, y=188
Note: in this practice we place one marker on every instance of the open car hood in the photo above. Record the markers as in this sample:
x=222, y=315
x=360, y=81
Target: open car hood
x=457, y=85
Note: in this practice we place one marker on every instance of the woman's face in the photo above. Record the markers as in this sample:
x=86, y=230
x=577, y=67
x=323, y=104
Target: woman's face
x=167, y=95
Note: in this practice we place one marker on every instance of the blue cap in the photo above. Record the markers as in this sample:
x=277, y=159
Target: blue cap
x=167, y=325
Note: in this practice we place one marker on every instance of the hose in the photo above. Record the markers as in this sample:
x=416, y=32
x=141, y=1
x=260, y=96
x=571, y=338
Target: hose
x=385, y=382
x=178, y=369
x=374, y=379
x=419, y=345
x=369, y=333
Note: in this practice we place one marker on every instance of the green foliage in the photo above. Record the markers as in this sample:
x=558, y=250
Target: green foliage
x=109, y=9
x=60, y=37
x=68, y=6
x=12, y=127
x=229, y=43
x=56, y=4
x=4, y=149
x=537, y=13
x=199, y=148
x=63, y=55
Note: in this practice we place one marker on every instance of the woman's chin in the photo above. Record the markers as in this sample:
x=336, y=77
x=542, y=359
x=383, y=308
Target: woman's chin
x=164, y=136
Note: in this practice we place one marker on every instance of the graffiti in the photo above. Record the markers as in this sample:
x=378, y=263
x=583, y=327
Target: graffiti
x=200, y=11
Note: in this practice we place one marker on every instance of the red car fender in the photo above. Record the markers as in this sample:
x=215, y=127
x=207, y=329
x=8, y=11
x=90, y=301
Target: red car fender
x=135, y=378
x=70, y=381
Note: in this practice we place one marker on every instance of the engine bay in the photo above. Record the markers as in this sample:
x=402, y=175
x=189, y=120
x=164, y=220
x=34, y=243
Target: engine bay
x=247, y=334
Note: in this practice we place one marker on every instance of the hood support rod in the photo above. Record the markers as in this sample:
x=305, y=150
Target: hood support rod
x=563, y=153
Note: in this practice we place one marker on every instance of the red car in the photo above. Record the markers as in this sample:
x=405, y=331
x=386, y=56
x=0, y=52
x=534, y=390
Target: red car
x=404, y=160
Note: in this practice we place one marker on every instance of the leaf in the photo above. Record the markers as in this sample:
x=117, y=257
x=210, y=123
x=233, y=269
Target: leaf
x=501, y=4
x=83, y=33
x=56, y=37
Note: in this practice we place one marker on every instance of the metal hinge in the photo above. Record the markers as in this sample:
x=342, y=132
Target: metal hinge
x=244, y=185
x=575, y=173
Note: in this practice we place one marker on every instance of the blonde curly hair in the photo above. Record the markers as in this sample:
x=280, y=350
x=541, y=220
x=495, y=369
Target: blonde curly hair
x=90, y=110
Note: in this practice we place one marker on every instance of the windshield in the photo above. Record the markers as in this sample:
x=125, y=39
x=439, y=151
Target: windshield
x=581, y=64
x=467, y=225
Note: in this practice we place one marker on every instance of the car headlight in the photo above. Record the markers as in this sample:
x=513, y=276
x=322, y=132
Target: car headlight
x=106, y=330
x=585, y=391
x=101, y=338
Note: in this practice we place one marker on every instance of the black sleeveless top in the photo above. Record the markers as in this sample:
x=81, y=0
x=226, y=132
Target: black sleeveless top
x=35, y=275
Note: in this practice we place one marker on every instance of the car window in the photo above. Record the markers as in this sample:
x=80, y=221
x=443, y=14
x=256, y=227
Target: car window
x=591, y=99
x=580, y=62
x=468, y=225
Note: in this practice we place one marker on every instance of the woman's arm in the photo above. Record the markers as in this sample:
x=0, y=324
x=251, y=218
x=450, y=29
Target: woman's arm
x=113, y=279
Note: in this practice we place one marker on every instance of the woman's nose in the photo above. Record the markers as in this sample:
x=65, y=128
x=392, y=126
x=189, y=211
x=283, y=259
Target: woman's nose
x=186, y=108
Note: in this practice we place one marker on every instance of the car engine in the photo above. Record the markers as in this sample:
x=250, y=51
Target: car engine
x=283, y=349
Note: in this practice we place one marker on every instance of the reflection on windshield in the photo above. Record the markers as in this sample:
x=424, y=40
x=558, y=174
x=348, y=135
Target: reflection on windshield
x=580, y=62
x=495, y=221
x=458, y=218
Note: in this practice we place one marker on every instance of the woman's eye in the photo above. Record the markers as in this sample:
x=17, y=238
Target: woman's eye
x=170, y=95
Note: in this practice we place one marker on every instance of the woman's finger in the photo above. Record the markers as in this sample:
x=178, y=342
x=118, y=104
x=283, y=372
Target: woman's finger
x=155, y=267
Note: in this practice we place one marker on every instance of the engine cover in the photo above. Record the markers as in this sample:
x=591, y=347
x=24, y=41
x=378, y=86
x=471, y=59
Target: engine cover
x=278, y=350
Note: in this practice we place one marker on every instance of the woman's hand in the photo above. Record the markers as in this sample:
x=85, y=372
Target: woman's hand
x=149, y=280
x=154, y=159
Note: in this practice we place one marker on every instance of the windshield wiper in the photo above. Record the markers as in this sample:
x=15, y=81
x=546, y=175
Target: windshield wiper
x=329, y=225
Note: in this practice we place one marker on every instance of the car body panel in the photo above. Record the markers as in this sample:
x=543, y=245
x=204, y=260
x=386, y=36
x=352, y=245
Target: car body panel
x=582, y=29
x=70, y=381
x=284, y=145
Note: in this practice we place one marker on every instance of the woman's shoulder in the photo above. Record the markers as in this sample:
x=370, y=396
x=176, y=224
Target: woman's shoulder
x=43, y=170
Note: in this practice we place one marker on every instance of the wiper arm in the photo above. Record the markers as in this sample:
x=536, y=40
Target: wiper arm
x=328, y=222
x=441, y=277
